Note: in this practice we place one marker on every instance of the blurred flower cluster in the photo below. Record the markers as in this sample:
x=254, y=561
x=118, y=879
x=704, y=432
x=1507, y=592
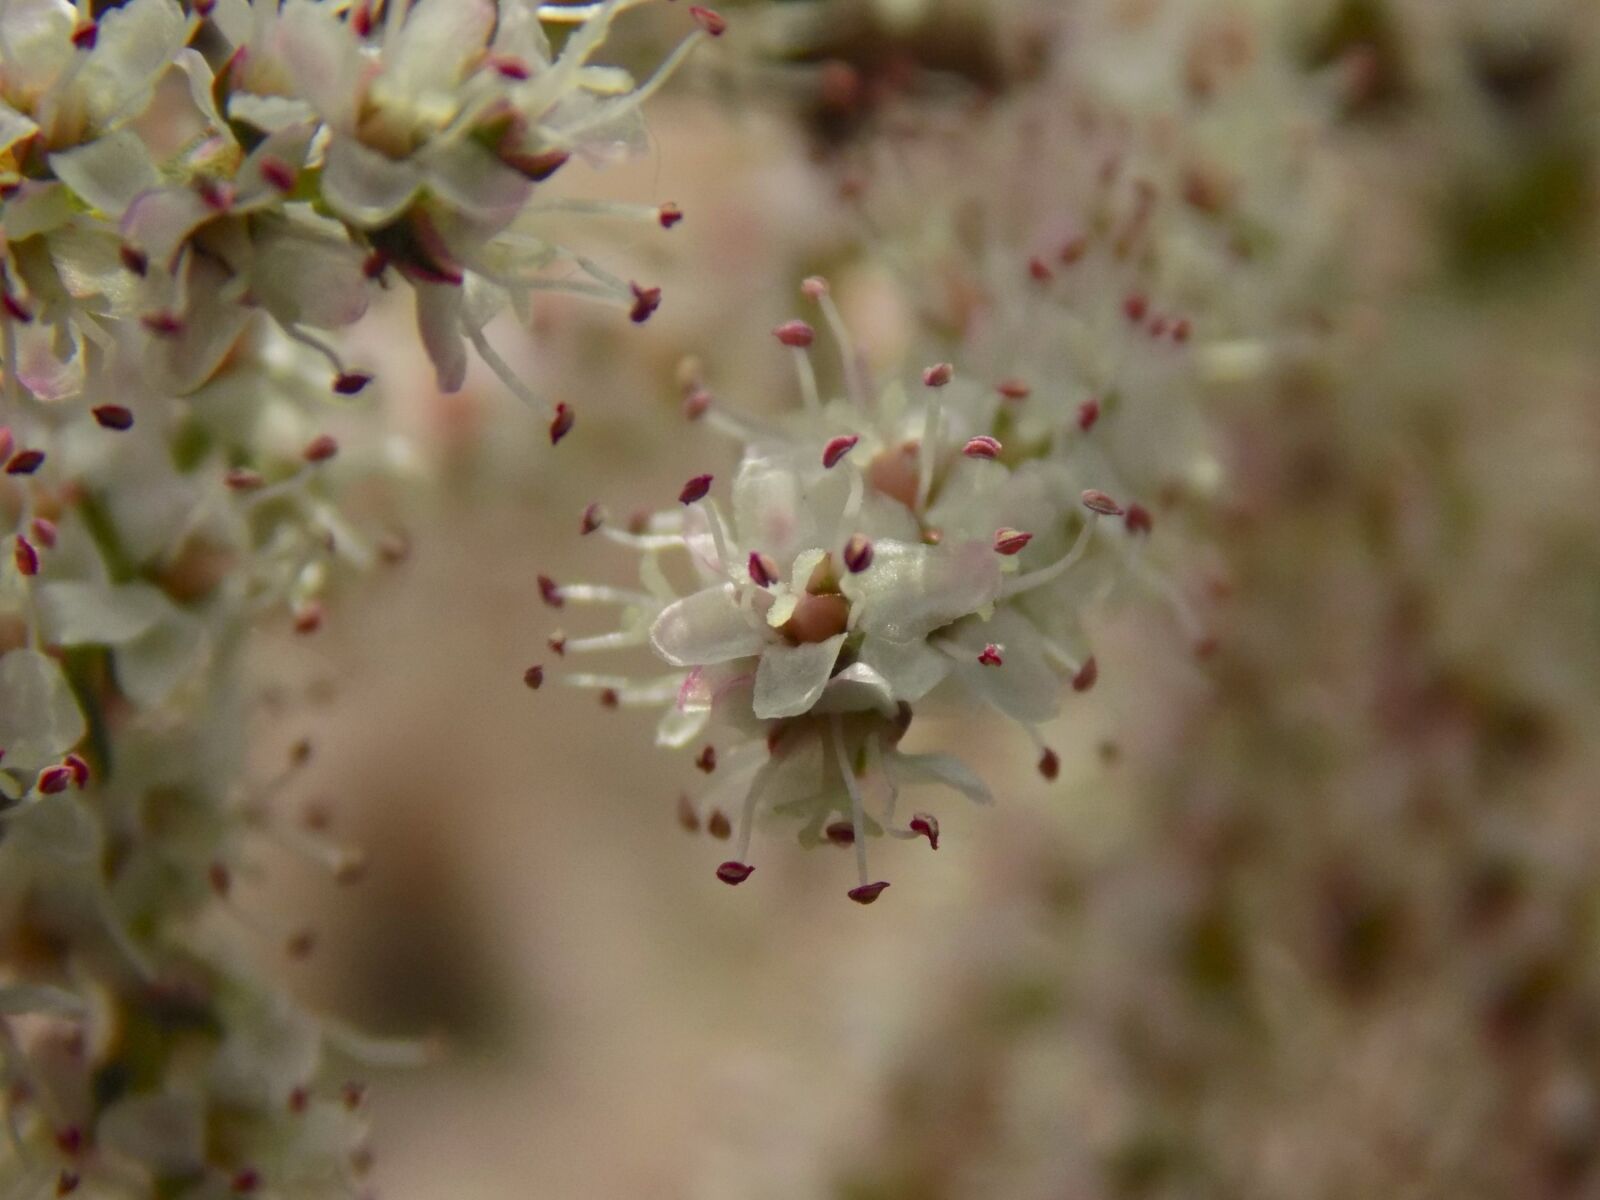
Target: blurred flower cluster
x=196, y=200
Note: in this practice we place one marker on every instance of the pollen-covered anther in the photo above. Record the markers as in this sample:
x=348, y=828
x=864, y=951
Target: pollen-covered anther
x=928, y=826
x=550, y=593
x=1085, y=676
x=840, y=833
x=713, y=22
x=349, y=383
x=814, y=288
x=732, y=872
x=938, y=375
x=858, y=553
x=308, y=617
x=795, y=333
x=718, y=825
x=763, y=571
x=534, y=677
x=594, y=516
x=1013, y=389
x=1138, y=519
x=55, y=778
x=1010, y=541
x=25, y=462
x=696, y=489
x=243, y=479
x=982, y=446
x=112, y=416
x=1098, y=501
x=320, y=449
x=991, y=655
x=867, y=892
x=669, y=215
x=837, y=448
x=1049, y=764
x=645, y=302
x=706, y=760
x=26, y=557
x=1088, y=414
x=561, y=424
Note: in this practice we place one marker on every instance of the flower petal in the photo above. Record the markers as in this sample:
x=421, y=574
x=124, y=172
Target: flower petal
x=363, y=186
x=107, y=173
x=790, y=678
x=911, y=590
x=39, y=716
x=704, y=628
x=942, y=769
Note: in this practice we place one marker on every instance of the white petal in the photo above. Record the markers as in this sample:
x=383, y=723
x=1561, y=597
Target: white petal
x=158, y=221
x=13, y=127
x=791, y=678
x=151, y=668
x=941, y=769
x=78, y=614
x=680, y=726
x=466, y=176
x=363, y=186
x=437, y=44
x=269, y=113
x=704, y=628
x=307, y=282
x=324, y=60
x=19, y=998
x=108, y=172
x=911, y=669
x=911, y=590
x=1023, y=686
x=165, y=1132
x=439, y=323
x=135, y=46
x=39, y=717
x=857, y=688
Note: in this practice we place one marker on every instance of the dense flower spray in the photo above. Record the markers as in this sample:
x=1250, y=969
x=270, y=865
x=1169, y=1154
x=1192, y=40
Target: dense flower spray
x=195, y=201
x=886, y=550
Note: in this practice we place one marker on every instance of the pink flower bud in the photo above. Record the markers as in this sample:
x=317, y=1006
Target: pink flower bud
x=858, y=553
x=867, y=892
x=1097, y=501
x=795, y=333
x=762, y=569
x=734, y=872
x=837, y=448
x=695, y=489
x=112, y=416
x=938, y=375
x=982, y=446
x=928, y=826
x=1010, y=541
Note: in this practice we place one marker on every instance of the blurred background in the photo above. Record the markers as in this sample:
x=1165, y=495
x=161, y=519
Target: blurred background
x=1313, y=913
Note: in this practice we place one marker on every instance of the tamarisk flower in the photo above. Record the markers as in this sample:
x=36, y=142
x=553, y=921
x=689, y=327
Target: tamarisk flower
x=868, y=564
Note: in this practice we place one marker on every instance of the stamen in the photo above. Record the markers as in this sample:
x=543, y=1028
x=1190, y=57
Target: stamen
x=1055, y=570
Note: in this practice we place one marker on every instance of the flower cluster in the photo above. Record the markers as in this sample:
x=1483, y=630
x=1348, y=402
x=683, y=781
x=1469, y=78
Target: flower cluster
x=887, y=551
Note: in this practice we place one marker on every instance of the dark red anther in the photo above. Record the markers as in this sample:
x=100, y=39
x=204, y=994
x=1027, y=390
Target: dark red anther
x=27, y=558
x=1013, y=389
x=69, y=1140
x=1074, y=250
x=707, y=759
x=86, y=35
x=610, y=698
x=858, y=553
x=814, y=287
x=561, y=424
x=594, y=516
x=539, y=167
x=79, y=768
x=299, y=1100
x=16, y=309
x=1138, y=519
x=44, y=532
x=54, y=779
x=219, y=878
x=66, y=1182
x=982, y=446
x=508, y=66
x=162, y=324
x=1181, y=330
x=1039, y=270
x=1134, y=307
x=550, y=593
x=134, y=259
x=795, y=333
x=112, y=416
x=669, y=215
x=867, y=892
x=840, y=833
x=350, y=383
x=645, y=301
x=762, y=569
x=243, y=479
x=217, y=194
x=353, y=1094
x=246, y=1181
x=279, y=174
x=1084, y=679
x=991, y=656
x=308, y=617
x=361, y=19
x=1010, y=541
x=837, y=448
x=938, y=375
x=320, y=448
x=718, y=825
x=696, y=489
x=928, y=826
x=25, y=462
x=374, y=265
x=708, y=19
x=557, y=643
x=1088, y=414
x=1097, y=501
x=734, y=872
x=1049, y=764
x=688, y=819
x=534, y=676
